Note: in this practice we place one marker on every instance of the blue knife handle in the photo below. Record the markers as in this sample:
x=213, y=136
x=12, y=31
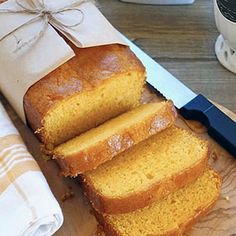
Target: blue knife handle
x=220, y=126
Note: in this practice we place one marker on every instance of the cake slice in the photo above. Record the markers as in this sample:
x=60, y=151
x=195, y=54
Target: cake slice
x=171, y=216
x=100, y=144
x=147, y=172
x=99, y=83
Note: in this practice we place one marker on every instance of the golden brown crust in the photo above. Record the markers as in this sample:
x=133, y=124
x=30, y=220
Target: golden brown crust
x=201, y=212
x=105, y=150
x=134, y=201
x=88, y=69
x=107, y=228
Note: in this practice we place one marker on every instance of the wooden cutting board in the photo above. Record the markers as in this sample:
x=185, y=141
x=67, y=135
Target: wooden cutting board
x=78, y=221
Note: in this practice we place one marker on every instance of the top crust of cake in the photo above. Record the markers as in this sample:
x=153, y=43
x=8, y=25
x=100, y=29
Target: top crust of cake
x=88, y=69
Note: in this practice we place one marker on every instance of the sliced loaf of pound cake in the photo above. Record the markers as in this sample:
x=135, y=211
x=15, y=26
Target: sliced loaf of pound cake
x=171, y=216
x=146, y=172
x=98, y=145
x=99, y=83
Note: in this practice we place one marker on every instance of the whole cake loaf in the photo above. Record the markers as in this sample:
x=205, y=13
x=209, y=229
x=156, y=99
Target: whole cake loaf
x=99, y=83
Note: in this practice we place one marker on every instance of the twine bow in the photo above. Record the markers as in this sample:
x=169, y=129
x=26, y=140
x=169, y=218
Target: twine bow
x=42, y=13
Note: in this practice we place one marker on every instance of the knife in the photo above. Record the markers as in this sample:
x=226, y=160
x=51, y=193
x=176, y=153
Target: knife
x=191, y=105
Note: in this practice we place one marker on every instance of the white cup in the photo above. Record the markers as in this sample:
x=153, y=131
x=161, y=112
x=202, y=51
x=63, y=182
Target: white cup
x=225, y=47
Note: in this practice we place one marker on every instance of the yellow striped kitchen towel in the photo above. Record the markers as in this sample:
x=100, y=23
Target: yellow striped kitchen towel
x=27, y=205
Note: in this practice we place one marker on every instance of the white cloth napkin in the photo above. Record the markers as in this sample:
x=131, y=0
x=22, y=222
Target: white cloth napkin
x=27, y=205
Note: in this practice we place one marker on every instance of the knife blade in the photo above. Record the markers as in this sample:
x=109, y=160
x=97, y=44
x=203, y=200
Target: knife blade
x=191, y=105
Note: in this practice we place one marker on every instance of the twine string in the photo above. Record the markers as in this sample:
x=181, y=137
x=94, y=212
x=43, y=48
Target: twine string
x=46, y=15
